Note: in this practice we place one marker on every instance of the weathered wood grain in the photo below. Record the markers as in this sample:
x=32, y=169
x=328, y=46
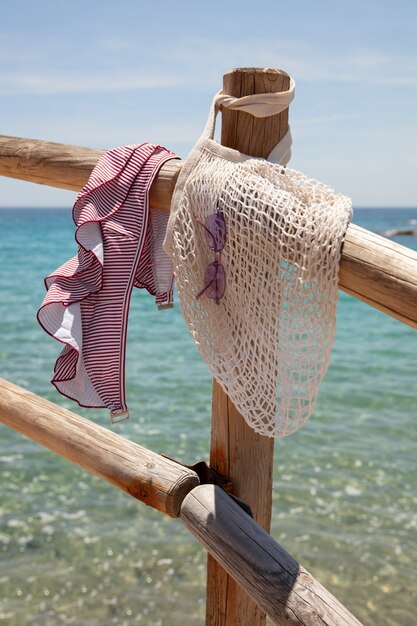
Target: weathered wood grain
x=69, y=167
x=236, y=449
x=143, y=474
x=380, y=272
x=274, y=579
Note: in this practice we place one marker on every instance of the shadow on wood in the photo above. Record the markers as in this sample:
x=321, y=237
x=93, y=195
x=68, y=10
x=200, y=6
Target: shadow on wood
x=263, y=568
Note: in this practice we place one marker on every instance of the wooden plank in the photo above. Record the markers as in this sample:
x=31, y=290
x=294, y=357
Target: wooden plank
x=373, y=269
x=234, y=452
x=236, y=449
x=143, y=474
x=287, y=592
x=381, y=273
x=69, y=167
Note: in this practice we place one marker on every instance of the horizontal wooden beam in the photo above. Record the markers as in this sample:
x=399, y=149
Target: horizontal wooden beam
x=69, y=167
x=143, y=474
x=381, y=273
x=273, y=578
x=374, y=269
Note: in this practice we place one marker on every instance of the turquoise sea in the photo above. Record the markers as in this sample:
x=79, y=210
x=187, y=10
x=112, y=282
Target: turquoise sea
x=75, y=550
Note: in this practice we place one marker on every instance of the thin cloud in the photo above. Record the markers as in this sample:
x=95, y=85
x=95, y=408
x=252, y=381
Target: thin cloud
x=98, y=82
x=207, y=59
x=318, y=120
x=196, y=63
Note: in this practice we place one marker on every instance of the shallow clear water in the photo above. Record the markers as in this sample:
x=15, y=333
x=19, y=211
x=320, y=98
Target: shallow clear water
x=74, y=550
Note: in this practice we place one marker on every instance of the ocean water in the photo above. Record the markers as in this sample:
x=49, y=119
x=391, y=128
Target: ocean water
x=75, y=550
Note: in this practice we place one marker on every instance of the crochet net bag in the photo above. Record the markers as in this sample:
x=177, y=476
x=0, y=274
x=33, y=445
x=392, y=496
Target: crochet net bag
x=269, y=338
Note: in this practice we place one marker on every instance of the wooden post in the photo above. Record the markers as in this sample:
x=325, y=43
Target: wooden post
x=236, y=450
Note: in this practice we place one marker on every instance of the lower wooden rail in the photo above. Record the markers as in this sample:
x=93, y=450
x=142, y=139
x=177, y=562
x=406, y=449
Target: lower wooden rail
x=275, y=581
x=143, y=474
x=271, y=576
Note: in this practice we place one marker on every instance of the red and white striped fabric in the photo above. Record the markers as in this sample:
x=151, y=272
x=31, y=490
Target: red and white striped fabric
x=119, y=247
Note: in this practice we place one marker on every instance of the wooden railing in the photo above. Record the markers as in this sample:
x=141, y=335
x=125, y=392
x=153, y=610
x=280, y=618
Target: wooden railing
x=374, y=269
x=145, y=475
x=276, y=582
x=249, y=574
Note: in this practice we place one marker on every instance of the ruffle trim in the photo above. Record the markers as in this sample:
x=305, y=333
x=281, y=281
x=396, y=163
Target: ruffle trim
x=80, y=277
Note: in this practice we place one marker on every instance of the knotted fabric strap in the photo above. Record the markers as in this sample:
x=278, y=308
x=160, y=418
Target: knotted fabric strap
x=260, y=104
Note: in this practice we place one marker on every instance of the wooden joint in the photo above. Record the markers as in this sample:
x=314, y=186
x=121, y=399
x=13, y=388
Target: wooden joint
x=206, y=474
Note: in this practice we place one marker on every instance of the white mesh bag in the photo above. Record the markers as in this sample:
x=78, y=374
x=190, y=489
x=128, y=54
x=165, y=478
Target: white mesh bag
x=268, y=339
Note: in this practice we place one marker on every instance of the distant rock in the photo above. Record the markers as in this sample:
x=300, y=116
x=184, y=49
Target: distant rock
x=395, y=232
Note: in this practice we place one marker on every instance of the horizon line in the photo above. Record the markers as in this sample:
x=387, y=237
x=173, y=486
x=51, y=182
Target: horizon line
x=69, y=207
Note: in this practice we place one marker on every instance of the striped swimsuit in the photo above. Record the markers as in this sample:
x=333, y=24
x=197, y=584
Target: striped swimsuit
x=119, y=247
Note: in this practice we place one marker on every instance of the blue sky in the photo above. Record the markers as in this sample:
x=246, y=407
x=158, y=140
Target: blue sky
x=106, y=73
